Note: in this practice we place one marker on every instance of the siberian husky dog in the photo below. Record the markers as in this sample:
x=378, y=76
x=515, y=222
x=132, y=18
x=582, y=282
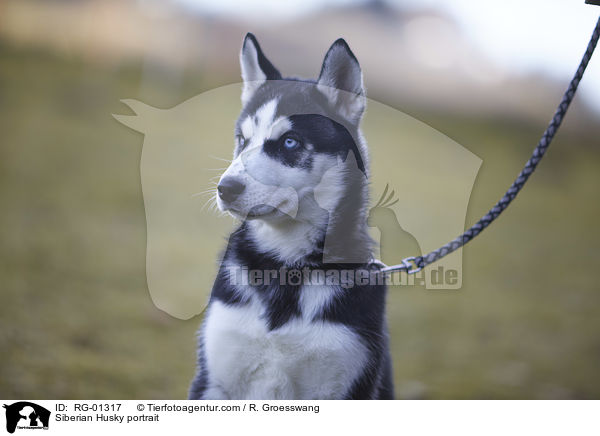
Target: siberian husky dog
x=295, y=311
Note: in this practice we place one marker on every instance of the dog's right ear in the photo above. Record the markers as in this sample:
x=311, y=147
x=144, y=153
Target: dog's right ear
x=341, y=81
x=256, y=68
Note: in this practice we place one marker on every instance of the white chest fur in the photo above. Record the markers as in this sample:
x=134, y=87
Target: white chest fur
x=300, y=360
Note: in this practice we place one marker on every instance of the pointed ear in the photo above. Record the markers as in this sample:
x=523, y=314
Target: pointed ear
x=341, y=81
x=256, y=68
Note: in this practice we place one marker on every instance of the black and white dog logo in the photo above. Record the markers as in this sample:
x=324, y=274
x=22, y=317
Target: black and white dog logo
x=26, y=415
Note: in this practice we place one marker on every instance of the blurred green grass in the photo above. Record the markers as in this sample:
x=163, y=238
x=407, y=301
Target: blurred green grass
x=76, y=320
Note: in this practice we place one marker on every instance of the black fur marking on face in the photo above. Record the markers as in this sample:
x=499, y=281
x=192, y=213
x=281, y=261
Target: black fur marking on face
x=299, y=157
x=316, y=134
x=326, y=136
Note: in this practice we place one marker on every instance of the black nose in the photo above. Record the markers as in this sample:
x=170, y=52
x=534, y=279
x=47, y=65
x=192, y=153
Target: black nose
x=230, y=188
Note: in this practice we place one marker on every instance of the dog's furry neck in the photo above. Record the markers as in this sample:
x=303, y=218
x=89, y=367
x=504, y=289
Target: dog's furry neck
x=321, y=238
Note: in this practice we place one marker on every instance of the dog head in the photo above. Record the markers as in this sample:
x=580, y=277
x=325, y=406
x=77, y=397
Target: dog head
x=290, y=133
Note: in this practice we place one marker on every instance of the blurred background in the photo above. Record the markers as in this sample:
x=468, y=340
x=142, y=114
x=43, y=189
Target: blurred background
x=76, y=319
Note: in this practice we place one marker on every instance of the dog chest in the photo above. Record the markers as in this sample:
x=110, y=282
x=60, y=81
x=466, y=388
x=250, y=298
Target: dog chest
x=302, y=359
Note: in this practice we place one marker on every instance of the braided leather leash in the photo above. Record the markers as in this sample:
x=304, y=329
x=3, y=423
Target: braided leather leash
x=413, y=265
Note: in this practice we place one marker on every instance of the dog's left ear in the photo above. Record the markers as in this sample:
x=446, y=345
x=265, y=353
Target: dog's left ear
x=256, y=68
x=341, y=81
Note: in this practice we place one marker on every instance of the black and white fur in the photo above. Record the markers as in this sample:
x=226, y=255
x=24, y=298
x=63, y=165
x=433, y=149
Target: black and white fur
x=302, y=202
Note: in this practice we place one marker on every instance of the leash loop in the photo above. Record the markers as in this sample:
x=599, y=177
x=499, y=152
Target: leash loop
x=408, y=264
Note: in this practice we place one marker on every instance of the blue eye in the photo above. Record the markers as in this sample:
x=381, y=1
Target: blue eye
x=241, y=141
x=290, y=143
